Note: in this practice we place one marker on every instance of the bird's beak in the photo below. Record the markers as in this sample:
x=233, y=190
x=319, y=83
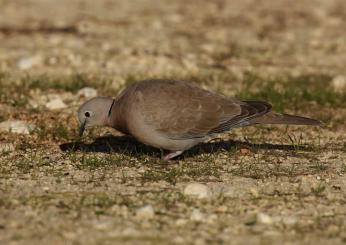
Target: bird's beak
x=82, y=128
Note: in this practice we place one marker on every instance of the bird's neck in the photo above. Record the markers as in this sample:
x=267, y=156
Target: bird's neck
x=116, y=118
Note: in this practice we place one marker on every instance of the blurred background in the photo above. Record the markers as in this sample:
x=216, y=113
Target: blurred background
x=161, y=38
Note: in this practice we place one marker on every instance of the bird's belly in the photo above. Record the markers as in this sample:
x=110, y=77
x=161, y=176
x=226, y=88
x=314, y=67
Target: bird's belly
x=169, y=144
x=156, y=139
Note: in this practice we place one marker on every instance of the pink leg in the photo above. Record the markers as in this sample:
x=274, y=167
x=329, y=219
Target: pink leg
x=171, y=155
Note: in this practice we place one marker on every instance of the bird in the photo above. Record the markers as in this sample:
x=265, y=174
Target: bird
x=175, y=115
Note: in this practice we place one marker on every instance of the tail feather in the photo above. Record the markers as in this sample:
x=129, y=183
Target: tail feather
x=278, y=118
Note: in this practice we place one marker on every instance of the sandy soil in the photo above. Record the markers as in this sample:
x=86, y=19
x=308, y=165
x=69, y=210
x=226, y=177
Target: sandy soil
x=264, y=185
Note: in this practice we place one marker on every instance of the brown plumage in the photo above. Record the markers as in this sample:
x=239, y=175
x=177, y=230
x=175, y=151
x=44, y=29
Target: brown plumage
x=176, y=115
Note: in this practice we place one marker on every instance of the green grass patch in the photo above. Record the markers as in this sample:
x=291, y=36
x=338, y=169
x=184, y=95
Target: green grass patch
x=73, y=84
x=292, y=92
x=16, y=91
x=263, y=167
x=57, y=131
x=283, y=91
x=203, y=171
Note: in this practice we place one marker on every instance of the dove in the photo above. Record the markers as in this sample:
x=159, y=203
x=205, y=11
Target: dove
x=175, y=115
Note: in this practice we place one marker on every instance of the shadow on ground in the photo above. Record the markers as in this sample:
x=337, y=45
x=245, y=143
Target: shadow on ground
x=128, y=145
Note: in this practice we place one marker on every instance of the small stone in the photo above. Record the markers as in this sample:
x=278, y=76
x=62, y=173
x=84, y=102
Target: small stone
x=270, y=234
x=232, y=192
x=178, y=240
x=197, y=190
x=6, y=147
x=56, y=104
x=339, y=83
x=236, y=188
x=180, y=222
x=130, y=232
x=265, y=219
x=254, y=192
x=70, y=235
x=26, y=63
x=244, y=151
x=289, y=220
x=87, y=92
x=250, y=220
x=30, y=212
x=212, y=218
x=14, y=202
x=52, y=60
x=103, y=224
x=19, y=127
x=197, y=216
x=221, y=209
x=146, y=212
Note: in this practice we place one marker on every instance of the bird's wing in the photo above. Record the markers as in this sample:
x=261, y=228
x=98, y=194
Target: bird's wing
x=249, y=111
x=181, y=110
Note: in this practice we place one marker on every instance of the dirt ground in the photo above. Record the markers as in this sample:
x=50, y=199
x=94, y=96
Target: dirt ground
x=258, y=185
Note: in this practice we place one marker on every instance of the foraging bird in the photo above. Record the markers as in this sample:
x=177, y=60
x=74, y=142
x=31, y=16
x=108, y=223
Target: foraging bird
x=176, y=115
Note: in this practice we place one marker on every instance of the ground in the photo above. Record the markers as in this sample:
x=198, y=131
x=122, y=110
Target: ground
x=259, y=185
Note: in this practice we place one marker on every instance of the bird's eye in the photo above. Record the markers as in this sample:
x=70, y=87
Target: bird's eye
x=87, y=114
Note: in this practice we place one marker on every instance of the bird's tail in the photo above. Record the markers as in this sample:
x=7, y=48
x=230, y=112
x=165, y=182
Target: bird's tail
x=278, y=118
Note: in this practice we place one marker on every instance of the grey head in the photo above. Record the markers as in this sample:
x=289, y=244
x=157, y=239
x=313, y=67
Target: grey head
x=94, y=112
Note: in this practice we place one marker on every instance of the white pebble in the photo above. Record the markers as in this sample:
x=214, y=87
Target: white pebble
x=197, y=215
x=146, y=212
x=6, y=147
x=265, y=219
x=339, y=83
x=87, y=92
x=19, y=127
x=56, y=104
x=102, y=225
x=25, y=63
x=289, y=220
x=181, y=222
x=129, y=232
x=197, y=190
x=178, y=240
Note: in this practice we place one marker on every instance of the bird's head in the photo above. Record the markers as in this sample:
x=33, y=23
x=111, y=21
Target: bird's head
x=94, y=112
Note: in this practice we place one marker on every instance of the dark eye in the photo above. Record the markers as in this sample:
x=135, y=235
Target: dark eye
x=87, y=114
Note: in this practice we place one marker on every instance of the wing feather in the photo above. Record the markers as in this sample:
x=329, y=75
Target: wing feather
x=181, y=110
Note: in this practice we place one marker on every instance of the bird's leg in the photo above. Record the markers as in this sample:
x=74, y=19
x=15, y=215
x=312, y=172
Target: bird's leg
x=171, y=155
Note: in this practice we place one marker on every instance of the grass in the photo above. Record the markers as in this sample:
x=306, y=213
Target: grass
x=183, y=172
x=71, y=84
x=93, y=162
x=284, y=92
x=265, y=165
x=318, y=190
x=292, y=92
x=69, y=201
x=55, y=131
x=25, y=162
x=17, y=91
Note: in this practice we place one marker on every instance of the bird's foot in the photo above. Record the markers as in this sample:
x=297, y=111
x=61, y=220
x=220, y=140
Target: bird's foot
x=171, y=155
